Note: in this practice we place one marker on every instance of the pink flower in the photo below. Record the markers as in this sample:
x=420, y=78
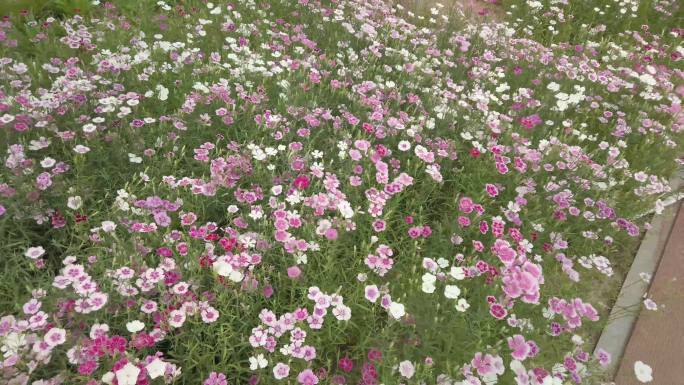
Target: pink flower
x=55, y=336
x=465, y=205
x=280, y=371
x=406, y=369
x=216, y=379
x=331, y=234
x=603, y=357
x=209, y=314
x=379, y=225
x=294, y=272
x=307, y=377
x=34, y=252
x=372, y=293
x=268, y=291
x=520, y=348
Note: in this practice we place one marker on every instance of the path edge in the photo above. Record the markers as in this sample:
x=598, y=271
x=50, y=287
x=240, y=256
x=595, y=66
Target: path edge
x=615, y=335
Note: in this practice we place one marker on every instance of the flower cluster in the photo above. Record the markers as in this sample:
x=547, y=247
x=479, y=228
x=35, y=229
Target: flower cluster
x=347, y=192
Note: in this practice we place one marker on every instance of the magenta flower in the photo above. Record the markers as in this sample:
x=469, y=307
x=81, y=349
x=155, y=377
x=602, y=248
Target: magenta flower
x=498, y=311
x=346, y=364
x=301, y=182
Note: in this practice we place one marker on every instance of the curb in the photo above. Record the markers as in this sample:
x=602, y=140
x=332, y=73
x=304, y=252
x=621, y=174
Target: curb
x=616, y=334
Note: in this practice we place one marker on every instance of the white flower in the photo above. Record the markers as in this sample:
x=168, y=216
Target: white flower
x=236, y=276
x=404, y=145
x=428, y=287
x=342, y=313
x=163, y=92
x=452, y=291
x=258, y=362
x=650, y=304
x=407, y=369
x=108, y=226
x=577, y=340
x=12, y=344
x=345, y=209
x=457, y=272
x=225, y=269
x=128, y=375
x=34, y=252
x=397, y=310
x=81, y=149
x=135, y=326
x=156, y=368
x=462, y=305
x=551, y=380
x=47, y=162
x=429, y=278
x=442, y=262
x=134, y=158
x=74, y=203
x=643, y=372
x=222, y=268
x=108, y=378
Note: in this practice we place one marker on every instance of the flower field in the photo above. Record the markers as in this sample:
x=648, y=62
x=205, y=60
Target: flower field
x=327, y=192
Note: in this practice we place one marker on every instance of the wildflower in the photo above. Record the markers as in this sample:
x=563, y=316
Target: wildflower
x=108, y=226
x=603, y=357
x=257, y=362
x=55, y=336
x=294, y=272
x=156, y=368
x=209, y=314
x=74, y=202
x=127, y=375
x=406, y=369
x=177, y=318
x=650, y=304
x=307, y=377
x=497, y=311
x=34, y=252
x=520, y=348
x=281, y=370
x=452, y=291
x=301, y=182
x=135, y=326
x=346, y=364
x=462, y=305
x=372, y=293
x=397, y=310
x=457, y=272
x=643, y=372
x=216, y=379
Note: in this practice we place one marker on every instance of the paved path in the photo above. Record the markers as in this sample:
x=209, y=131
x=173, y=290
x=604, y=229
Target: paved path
x=658, y=336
